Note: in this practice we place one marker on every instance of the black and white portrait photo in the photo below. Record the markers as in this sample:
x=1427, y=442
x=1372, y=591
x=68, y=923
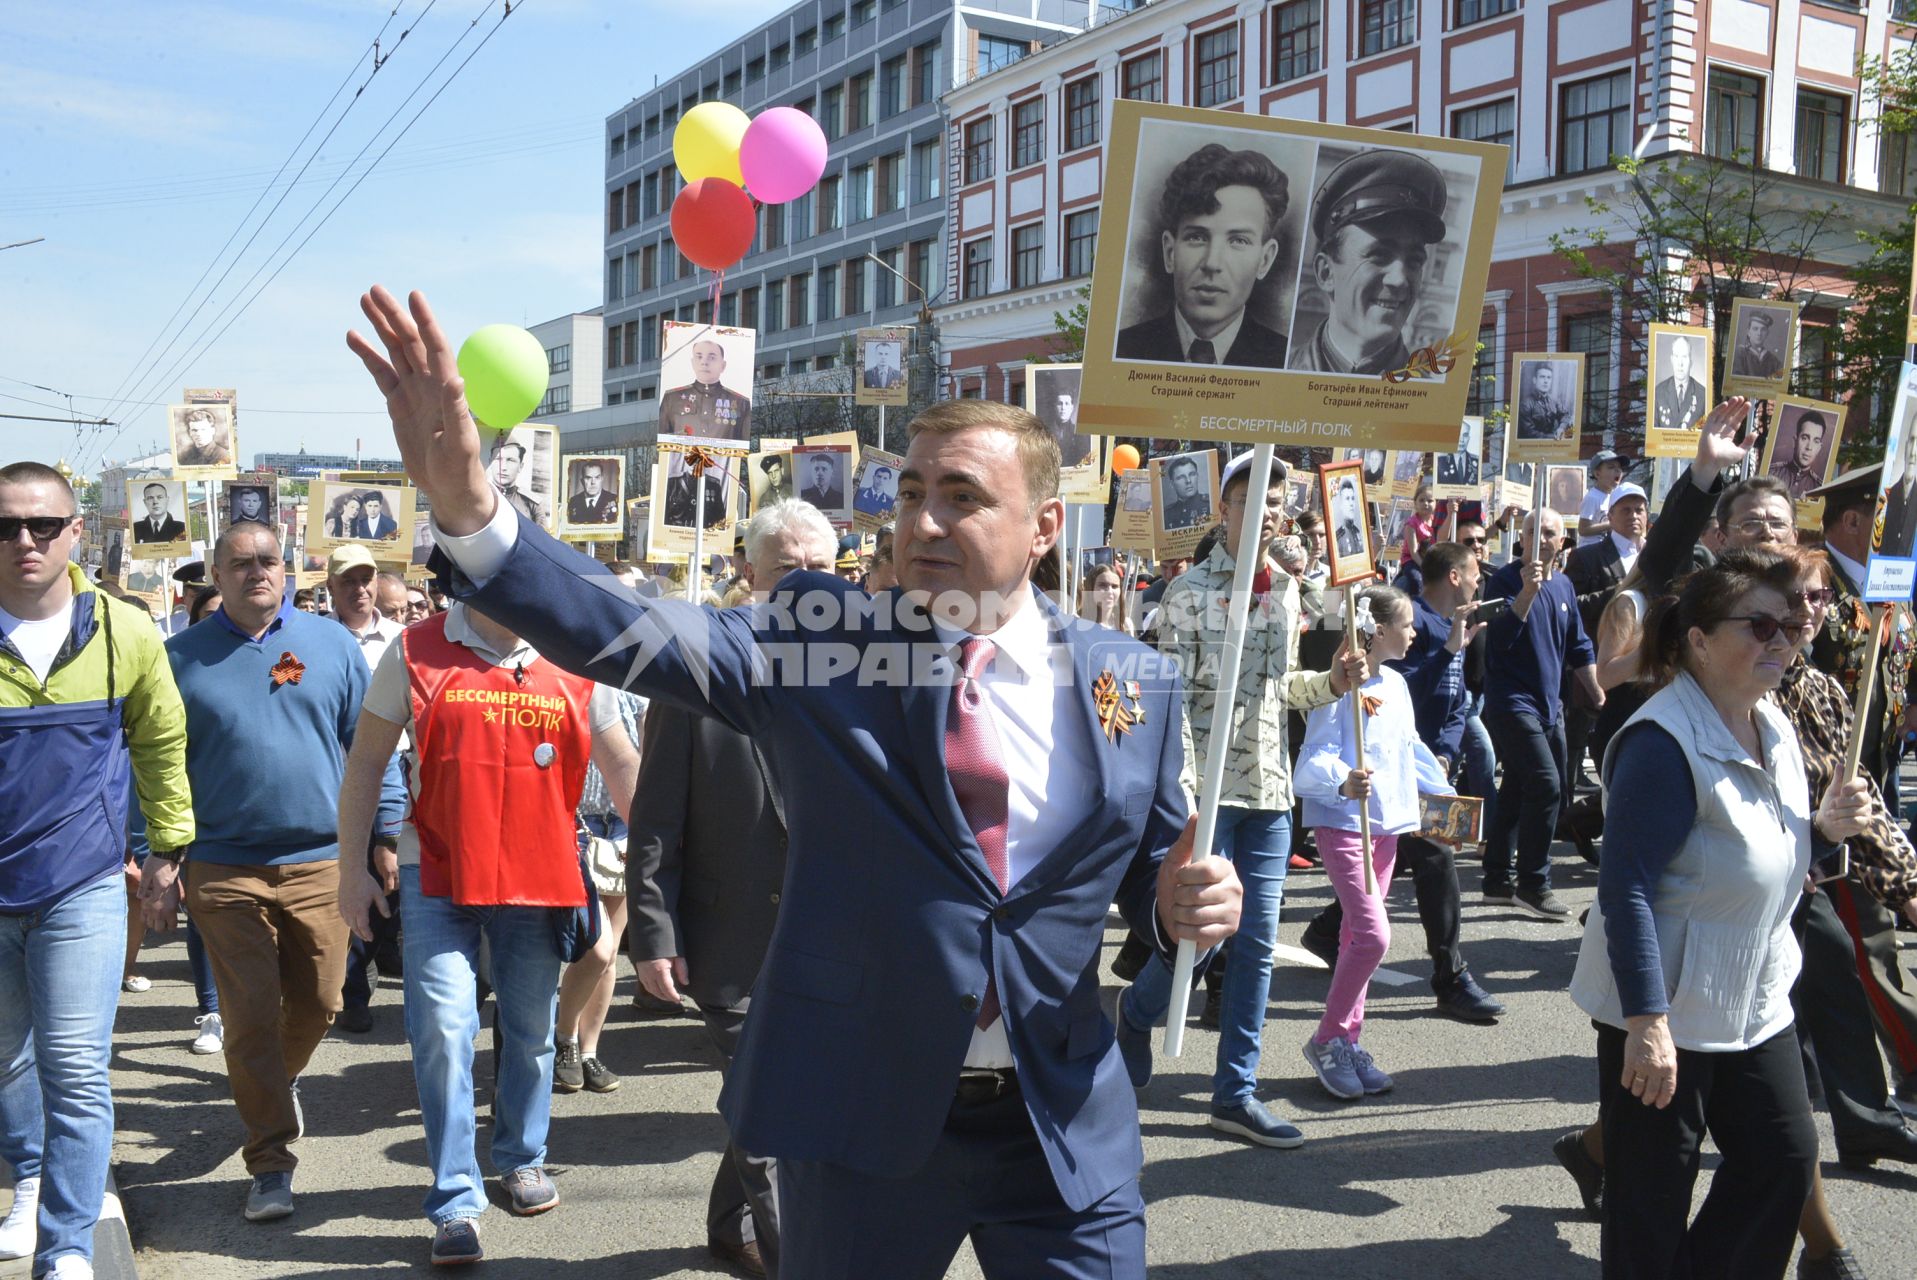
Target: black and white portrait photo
x=1803, y=442
x=1216, y=220
x=1377, y=464
x=595, y=492
x=523, y=465
x=251, y=498
x=821, y=477
x=1459, y=472
x=1761, y=341
x=1383, y=266
x=203, y=440
x=157, y=523
x=1052, y=390
x=1548, y=400
x=1564, y=488
x=1680, y=378
x=1185, y=501
x=720, y=481
x=770, y=474
x=706, y=375
x=1347, y=523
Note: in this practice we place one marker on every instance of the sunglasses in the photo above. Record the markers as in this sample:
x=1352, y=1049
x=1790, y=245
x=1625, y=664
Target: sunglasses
x=1813, y=596
x=43, y=528
x=1764, y=628
x=1473, y=542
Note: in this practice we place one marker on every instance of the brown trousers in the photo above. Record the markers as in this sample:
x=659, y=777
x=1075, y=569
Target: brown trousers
x=278, y=948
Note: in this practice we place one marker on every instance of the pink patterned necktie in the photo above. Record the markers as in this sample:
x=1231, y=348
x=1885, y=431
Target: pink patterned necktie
x=979, y=780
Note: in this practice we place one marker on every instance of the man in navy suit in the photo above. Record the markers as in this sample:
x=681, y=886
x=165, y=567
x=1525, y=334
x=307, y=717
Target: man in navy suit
x=1219, y=218
x=373, y=520
x=972, y=779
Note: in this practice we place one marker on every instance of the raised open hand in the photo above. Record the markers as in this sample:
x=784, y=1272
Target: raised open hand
x=1717, y=444
x=426, y=399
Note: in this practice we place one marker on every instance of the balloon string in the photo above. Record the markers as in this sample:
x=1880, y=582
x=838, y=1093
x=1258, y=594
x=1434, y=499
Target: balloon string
x=718, y=287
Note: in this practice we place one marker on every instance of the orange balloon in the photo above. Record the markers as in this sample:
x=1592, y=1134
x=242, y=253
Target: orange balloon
x=1125, y=458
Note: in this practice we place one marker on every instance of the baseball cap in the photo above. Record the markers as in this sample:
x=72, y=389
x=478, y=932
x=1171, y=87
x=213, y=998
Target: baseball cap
x=1628, y=490
x=1609, y=455
x=350, y=556
x=1280, y=472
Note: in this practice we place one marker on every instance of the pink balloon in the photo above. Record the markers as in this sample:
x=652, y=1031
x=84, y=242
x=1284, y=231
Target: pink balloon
x=783, y=155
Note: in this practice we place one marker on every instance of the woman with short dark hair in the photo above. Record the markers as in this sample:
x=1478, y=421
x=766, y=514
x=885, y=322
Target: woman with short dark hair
x=1688, y=957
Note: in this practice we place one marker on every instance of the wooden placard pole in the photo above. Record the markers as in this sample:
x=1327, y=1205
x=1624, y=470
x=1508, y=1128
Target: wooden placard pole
x=1355, y=644
x=1866, y=690
x=1224, y=702
x=695, y=573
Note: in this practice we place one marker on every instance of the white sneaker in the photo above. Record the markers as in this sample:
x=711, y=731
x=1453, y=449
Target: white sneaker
x=212, y=1037
x=18, y=1232
x=136, y=983
x=70, y=1266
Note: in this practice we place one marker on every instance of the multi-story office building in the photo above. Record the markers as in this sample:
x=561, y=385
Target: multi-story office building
x=1566, y=84
x=872, y=73
x=311, y=464
x=575, y=347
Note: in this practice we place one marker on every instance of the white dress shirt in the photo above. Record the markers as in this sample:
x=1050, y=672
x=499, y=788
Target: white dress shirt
x=1044, y=737
x=1627, y=551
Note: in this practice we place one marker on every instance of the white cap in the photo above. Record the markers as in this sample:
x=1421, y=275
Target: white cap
x=1280, y=472
x=1627, y=490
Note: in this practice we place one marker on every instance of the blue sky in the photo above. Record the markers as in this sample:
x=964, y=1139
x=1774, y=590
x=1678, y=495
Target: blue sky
x=135, y=136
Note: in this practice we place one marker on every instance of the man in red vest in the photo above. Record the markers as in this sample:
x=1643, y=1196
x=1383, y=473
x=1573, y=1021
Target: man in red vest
x=500, y=743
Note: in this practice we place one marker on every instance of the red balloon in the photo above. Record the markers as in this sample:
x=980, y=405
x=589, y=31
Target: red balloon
x=1124, y=458
x=713, y=222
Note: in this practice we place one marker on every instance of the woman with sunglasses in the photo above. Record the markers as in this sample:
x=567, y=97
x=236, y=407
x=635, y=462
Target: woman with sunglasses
x=1688, y=956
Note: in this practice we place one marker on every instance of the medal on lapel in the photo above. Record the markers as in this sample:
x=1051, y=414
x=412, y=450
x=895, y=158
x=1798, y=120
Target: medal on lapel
x=1113, y=716
x=288, y=669
x=1137, y=698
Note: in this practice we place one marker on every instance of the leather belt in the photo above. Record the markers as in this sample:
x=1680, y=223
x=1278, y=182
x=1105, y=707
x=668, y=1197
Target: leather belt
x=985, y=1084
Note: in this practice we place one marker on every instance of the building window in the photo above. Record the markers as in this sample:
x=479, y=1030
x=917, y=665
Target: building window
x=855, y=274
x=615, y=347
x=1492, y=122
x=888, y=290
x=771, y=226
x=559, y=359
x=1082, y=113
x=618, y=145
x=749, y=308
x=1481, y=397
x=1142, y=79
x=1590, y=332
x=632, y=275
x=1028, y=132
x=978, y=267
x=864, y=11
x=800, y=211
x=775, y=306
x=755, y=70
x=928, y=166
x=1386, y=24
x=1733, y=116
x=557, y=400
x=1028, y=254
x=1821, y=120
x=890, y=192
x=805, y=42
x=1297, y=47
x=995, y=52
x=1816, y=371
x=830, y=211
x=925, y=68
x=797, y=300
x=642, y=340
x=729, y=309
x=615, y=211
x=835, y=26
x=978, y=149
x=1216, y=66
x=921, y=268
x=1081, y=242
x=1470, y=11
x=1897, y=175
x=615, y=277
x=832, y=112
x=732, y=84
x=649, y=267
x=1594, y=122
x=781, y=54
x=858, y=193
x=828, y=307
x=892, y=87
x=649, y=196
x=860, y=104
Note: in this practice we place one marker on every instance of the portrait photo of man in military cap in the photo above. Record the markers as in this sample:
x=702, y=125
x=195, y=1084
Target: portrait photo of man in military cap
x=1214, y=247
x=1379, y=239
x=1759, y=353
x=771, y=476
x=1804, y=439
x=707, y=375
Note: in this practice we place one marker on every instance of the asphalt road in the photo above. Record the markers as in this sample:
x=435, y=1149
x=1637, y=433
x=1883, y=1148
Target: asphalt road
x=1450, y=1176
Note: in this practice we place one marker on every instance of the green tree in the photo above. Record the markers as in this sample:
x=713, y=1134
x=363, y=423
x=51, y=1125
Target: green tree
x=1874, y=335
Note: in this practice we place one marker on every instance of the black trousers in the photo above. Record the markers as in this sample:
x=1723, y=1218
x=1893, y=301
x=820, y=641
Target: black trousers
x=1887, y=984
x=744, y=1201
x=1433, y=869
x=381, y=953
x=1755, y=1108
x=1532, y=754
x=1834, y=1023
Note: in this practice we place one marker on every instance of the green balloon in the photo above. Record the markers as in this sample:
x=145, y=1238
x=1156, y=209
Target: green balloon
x=505, y=371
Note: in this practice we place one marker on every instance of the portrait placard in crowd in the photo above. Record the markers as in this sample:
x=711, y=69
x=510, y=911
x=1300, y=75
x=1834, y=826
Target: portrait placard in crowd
x=1184, y=500
x=676, y=495
x=1348, y=532
x=1052, y=395
x=1407, y=469
x=379, y=516
x=1891, y=572
x=1564, y=490
x=157, y=523
x=878, y=491
x=523, y=465
x=1241, y=258
x=1459, y=473
x=880, y=374
x=1132, y=518
x=1453, y=820
x=1801, y=451
x=1377, y=468
x=823, y=476
x=705, y=372
x=204, y=441
x=252, y=496
x=424, y=539
x=1518, y=486
x=1549, y=406
x=1763, y=348
x=595, y=490
x=1680, y=383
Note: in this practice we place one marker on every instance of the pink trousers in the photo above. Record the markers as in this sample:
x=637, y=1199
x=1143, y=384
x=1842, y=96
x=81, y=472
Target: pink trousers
x=1366, y=934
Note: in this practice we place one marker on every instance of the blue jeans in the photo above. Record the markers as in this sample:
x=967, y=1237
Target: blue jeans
x=1258, y=842
x=442, y=1016
x=205, y=991
x=1480, y=762
x=59, y=990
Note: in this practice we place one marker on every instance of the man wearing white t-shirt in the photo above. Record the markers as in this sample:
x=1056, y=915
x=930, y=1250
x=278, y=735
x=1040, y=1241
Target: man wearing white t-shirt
x=1594, y=517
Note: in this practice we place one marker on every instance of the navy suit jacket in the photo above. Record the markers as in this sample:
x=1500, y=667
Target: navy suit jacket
x=1256, y=346
x=890, y=922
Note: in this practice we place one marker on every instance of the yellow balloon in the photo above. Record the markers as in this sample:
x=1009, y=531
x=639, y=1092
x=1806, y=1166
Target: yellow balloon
x=705, y=144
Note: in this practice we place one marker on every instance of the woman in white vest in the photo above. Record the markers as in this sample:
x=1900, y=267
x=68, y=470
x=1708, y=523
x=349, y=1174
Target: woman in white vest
x=1688, y=957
